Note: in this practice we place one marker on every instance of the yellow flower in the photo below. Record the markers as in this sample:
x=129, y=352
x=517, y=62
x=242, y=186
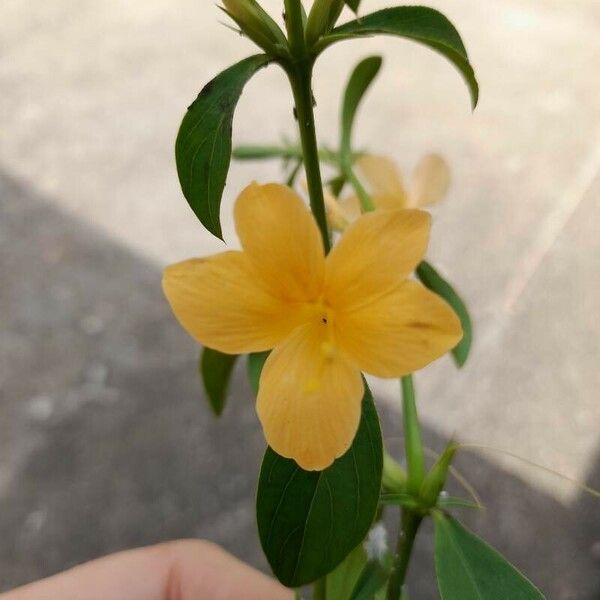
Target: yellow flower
x=429, y=184
x=327, y=318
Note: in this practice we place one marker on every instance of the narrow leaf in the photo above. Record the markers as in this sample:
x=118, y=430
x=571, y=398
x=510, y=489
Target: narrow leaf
x=363, y=75
x=341, y=581
x=203, y=146
x=372, y=579
x=434, y=481
x=436, y=283
x=469, y=569
x=256, y=362
x=309, y=521
x=455, y=502
x=406, y=500
x=215, y=369
x=265, y=152
x=418, y=23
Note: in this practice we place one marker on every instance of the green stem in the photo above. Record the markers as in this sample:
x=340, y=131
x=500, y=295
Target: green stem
x=320, y=589
x=415, y=467
x=299, y=71
x=366, y=203
x=410, y=524
x=300, y=75
x=415, y=456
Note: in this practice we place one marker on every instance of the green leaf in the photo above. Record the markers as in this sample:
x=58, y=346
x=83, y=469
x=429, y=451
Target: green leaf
x=321, y=20
x=203, y=146
x=469, y=569
x=215, y=369
x=266, y=152
x=309, y=521
x=342, y=580
x=455, y=502
x=256, y=362
x=363, y=75
x=436, y=283
x=399, y=499
x=372, y=579
x=418, y=23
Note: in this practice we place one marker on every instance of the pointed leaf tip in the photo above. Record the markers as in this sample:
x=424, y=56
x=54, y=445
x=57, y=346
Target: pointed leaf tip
x=215, y=370
x=432, y=280
x=467, y=568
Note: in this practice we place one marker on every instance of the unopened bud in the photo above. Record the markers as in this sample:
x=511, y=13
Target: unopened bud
x=335, y=213
x=436, y=478
x=256, y=23
x=323, y=16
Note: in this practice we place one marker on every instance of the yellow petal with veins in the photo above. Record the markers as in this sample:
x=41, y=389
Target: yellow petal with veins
x=279, y=235
x=430, y=181
x=374, y=255
x=399, y=332
x=309, y=399
x=220, y=302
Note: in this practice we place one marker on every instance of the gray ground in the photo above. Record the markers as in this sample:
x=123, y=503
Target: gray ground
x=105, y=442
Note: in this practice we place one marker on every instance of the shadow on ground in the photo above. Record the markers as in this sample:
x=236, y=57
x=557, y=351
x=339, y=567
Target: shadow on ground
x=106, y=443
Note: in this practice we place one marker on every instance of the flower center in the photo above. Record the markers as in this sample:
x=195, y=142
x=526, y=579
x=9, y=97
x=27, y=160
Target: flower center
x=321, y=316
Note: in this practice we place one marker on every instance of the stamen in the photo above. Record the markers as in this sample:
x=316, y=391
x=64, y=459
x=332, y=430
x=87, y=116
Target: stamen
x=312, y=385
x=328, y=350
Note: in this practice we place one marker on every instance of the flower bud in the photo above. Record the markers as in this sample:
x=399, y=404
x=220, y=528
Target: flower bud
x=322, y=18
x=256, y=23
x=335, y=213
x=436, y=478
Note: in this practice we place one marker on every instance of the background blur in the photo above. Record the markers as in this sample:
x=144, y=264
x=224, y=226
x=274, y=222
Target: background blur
x=105, y=440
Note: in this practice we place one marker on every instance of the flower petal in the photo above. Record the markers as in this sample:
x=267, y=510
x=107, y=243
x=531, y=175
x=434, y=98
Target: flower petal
x=351, y=207
x=309, y=399
x=382, y=175
x=430, y=181
x=398, y=333
x=390, y=201
x=220, y=303
x=279, y=235
x=374, y=255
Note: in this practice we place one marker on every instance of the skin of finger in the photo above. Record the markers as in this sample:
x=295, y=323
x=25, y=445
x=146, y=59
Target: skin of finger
x=182, y=570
